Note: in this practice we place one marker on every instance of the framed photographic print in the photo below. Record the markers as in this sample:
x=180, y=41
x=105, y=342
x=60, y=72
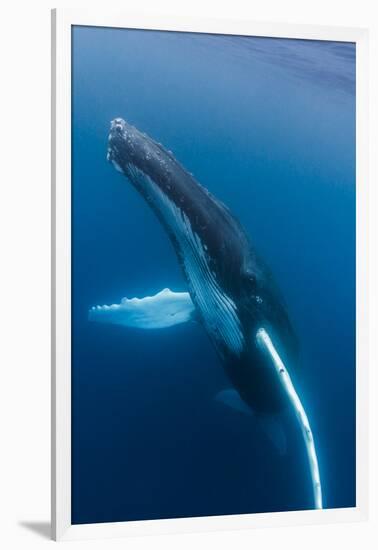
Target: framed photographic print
x=209, y=274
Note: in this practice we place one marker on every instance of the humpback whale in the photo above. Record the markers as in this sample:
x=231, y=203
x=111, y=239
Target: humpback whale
x=232, y=290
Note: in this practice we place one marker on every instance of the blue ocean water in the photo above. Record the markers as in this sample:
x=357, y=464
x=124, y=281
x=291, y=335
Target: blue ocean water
x=268, y=126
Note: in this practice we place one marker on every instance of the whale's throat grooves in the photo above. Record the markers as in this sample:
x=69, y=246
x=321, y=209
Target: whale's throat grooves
x=217, y=310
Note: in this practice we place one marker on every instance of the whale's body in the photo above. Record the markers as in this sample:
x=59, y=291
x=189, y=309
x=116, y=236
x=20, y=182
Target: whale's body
x=232, y=289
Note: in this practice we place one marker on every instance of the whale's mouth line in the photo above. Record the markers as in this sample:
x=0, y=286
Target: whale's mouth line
x=112, y=155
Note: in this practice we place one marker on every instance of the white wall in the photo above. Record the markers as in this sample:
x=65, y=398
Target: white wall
x=25, y=278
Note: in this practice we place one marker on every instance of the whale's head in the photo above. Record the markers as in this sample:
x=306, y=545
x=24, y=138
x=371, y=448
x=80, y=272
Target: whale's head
x=123, y=148
x=133, y=153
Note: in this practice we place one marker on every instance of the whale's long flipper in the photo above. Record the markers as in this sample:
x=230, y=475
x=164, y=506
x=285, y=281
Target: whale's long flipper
x=266, y=344
x=164, y=309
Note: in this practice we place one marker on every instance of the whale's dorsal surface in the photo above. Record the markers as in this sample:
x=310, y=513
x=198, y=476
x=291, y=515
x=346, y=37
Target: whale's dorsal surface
x=164, y=309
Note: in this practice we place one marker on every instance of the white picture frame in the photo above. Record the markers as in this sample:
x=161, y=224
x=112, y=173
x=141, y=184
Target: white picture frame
x=62, y=21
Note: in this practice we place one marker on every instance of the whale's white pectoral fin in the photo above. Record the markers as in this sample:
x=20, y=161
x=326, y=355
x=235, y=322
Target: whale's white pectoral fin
x=266, y=345
x=165, y=309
